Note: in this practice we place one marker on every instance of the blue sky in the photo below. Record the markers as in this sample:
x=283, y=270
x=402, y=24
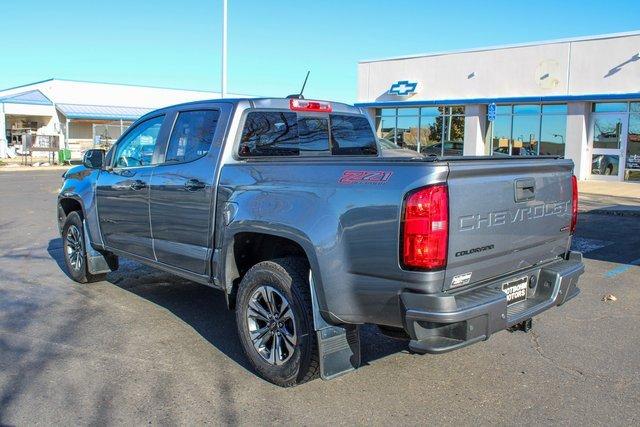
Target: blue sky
x=271, y=43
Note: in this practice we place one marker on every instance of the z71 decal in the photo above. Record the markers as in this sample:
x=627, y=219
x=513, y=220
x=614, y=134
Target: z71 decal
x=365, y=177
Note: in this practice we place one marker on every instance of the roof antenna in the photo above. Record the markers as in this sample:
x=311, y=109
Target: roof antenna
x=299, y=95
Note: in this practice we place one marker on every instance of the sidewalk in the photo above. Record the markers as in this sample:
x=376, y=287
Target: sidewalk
x=609, y=198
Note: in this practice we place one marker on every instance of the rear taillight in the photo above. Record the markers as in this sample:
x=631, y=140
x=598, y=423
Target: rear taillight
x=311, y=106
x=425, y=228
x=574, y=204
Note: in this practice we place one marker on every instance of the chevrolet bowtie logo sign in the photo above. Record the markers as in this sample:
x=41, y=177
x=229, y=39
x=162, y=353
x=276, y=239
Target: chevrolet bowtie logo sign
x=403, y=88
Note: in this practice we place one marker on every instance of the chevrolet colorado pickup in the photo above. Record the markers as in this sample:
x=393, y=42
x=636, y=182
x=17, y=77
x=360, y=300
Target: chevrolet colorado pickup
x=289, y=207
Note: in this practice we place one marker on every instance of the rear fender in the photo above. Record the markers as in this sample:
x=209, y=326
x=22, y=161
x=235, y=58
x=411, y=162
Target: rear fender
x=229, y=273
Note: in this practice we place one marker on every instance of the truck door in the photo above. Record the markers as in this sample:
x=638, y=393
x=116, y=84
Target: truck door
x=122, y=190
x=183, y=190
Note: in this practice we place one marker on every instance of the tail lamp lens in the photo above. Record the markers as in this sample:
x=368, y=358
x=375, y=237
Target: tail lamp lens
x=425, y=228
x=574, y=204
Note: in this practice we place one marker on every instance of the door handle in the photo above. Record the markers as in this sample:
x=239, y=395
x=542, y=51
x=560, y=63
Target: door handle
x=525, y=189
x=138, y=185
x=194, y=185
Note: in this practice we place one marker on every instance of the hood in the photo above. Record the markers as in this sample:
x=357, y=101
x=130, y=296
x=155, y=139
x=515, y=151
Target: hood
x=74, y=171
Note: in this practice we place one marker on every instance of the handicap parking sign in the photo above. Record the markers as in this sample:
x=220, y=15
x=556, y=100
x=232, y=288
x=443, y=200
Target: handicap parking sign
x=491, y=112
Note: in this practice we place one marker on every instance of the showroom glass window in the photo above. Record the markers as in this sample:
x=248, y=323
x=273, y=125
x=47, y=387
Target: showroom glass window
x=632, y=172
x=407, y=128
x=429, y=130
x=610, y=132
x=386, y=123
x=528, y=130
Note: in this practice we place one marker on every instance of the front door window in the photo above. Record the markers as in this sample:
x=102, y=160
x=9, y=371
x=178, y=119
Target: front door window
x=138, y=146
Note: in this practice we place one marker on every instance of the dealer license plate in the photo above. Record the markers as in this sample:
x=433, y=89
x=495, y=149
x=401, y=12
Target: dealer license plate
x=516, y=290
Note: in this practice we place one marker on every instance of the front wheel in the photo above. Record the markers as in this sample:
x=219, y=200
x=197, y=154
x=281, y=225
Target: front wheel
x=75, y=254
x=275, y=321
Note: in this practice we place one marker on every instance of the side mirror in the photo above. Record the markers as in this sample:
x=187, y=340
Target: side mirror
x=94, y=158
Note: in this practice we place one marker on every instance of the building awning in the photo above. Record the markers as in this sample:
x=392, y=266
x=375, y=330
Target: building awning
x=34, y=97
x=502, y=100
x=101, y=112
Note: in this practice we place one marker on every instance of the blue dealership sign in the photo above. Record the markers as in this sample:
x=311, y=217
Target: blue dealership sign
x=403, y=88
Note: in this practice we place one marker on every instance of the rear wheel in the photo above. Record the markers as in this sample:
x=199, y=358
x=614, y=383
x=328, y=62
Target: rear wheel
x=75, y=254
x=275, y=321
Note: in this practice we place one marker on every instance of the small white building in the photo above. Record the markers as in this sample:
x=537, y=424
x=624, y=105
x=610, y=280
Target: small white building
x=575, y=97
x=79, y=115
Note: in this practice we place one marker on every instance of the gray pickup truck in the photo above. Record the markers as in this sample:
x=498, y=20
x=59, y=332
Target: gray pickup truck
x=290, y=208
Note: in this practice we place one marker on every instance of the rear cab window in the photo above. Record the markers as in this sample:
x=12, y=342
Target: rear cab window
x=352, y=136
x=286, y=133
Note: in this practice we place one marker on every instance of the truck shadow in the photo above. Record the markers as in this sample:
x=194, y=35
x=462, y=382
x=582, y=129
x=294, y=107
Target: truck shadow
x=204, y=309
x=54, y=249
x=609, y=238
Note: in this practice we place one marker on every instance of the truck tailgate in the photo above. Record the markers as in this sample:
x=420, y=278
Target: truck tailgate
x=506, y=215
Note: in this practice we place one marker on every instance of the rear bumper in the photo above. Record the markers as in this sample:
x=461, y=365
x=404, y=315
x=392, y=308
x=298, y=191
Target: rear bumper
x=438, y=323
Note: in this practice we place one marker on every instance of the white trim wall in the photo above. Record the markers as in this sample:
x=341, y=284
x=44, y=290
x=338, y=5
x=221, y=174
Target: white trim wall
x=576, y=72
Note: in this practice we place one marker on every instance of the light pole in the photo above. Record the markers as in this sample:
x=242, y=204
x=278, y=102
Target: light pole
x=556, y=135
x=223, y=90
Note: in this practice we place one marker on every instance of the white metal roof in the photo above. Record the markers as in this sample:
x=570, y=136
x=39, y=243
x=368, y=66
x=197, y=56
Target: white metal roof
x=507, y=46
x=104, y=112
x=28, y=97
x=92, y=100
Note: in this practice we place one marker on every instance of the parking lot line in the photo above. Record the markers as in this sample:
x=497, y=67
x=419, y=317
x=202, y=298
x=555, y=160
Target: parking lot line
x=621, y=269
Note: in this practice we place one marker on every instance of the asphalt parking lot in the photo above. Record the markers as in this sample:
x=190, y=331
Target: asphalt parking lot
x=147, y=347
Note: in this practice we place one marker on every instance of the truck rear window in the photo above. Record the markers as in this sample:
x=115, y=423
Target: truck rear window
x=280, y=133
x=352, y=136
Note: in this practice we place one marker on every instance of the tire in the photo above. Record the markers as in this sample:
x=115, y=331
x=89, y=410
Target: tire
x=75, y=254
x=278, y=283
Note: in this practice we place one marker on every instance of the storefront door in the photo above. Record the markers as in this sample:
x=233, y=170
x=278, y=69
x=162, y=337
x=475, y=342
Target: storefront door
x=609, y=145
x=632, y=168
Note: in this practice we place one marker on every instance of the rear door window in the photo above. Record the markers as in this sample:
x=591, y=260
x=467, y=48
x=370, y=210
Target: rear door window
x=352, y=136
x=192, y=135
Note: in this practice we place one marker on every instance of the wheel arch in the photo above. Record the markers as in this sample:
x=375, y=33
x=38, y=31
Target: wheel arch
x=245, y=247
x=71, y=204
x=66, y=205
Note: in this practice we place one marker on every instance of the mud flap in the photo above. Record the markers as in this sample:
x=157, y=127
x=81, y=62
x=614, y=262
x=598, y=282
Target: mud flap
x=339, y=349
x=338, y=346
x=96, y=262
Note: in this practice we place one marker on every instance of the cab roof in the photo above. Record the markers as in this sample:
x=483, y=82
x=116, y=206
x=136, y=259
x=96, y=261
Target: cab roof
x=266, y=103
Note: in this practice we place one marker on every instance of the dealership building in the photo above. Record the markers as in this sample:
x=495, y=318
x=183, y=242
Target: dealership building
x=77, y=115
x=574, y=97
